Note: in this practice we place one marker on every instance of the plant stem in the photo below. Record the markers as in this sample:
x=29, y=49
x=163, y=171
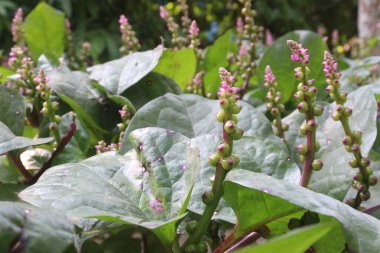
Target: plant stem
x=15, y=158
x=53, y=120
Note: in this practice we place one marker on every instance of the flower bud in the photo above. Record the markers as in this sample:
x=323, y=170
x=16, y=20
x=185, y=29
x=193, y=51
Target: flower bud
x=223, y=149
x=299, y=96
x=317, y=165
x=365, y=162
x=55, y=105
x=238, y=134
x=191, y=226
x=302, y=149
x=52, y=126
x=235, y=159
x=269, y=106
x=317, y=110
x=312, y=124
x=358, y=177
x=357, y=135
x=44, y=111
x=303, y=129
x=285, y=127
x=57, y=118
x=227, y=163
x=230, y=127
x=302, y=158
x=214, y=159
x=353, y=163
x=348, y=148
x=303, y=107
x=347, y=140
x=235, y=118
x=192, y=248
x=236, y=109
x=336, y=116
x=224, y=103
x=281, y=107
x=362, y=188
x=317, y=146
x=121, y=126
x=372, y=180
x=365, y=195
x=369, y=171
x=275, y=111
x=347, y=111
x=208, y=197
x=355, y=148
x=220, y=116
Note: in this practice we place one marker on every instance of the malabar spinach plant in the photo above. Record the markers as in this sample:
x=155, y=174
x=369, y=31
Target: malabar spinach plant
x=137, y=155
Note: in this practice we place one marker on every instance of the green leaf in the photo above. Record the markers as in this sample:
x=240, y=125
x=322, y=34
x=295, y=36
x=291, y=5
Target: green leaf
x=150, y=87
x=45, y=31
x=9, y=141
x=8, y=172
x=5, y=72
x=297, y=241
x=283, y=67
x=117, y=75
x=335, y=178
x=216, y=57
x=12, y=106
x=8, y=192
x=192, y=115
x=273, y=198
x=267, y=155
x=149, y=186
x=35, y=229
x=179, y=65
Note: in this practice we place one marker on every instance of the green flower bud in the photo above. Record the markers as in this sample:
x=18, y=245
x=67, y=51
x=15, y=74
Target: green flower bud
x=235, y=159
x=358, y=177
x=372, y=180
x=312, y=124
x=44, y=111
x=192, y=248
x=336, y=116
x=214, y=159
x=238, y=134
x=230, y=127
x=302, y=158
x=348, y=148
x=191, y=226
x=303, y=129
x=269, y=106
x=52, y=126
x=208, y=197
x=302, y=149
x=317, y=110
x=121, y=126
x=224, y=103
x=236, y=109
x=300, y=87
x=57, y=118
x=365, y=162
x=365, y=195
x=220, y=116
x=227, y=163
x=45, y=104
x=285, y=127
x=202, y=247
x=299, y=96
x=235, y=118
x=353, y=163
x=277, y=99
x=55, y=105
x=317, y=165
x=347, y=112
x=347, y=141
x=317, y=146
x=223, y=149
x=343, y=96
x=357, y=135
x=369, y=171
x=303, y=107
x=275, y=112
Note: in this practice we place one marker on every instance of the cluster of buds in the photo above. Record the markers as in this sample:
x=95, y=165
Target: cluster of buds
x=196, y=84
x=193, y=36
x=102, y=147
x=69, y=47
x=172, y=27
x=228, y=97
x=85, y=55
x=49, y=108
x=129, y=41
x=185, y=20
x=125, y=116
x=306, y=96
x=352, y=140
x=15, y=57
x=274, y=105
x=16, y=28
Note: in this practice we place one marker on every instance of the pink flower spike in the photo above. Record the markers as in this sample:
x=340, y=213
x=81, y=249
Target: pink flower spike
x=194, y=29
x=123, y=20
x=269, y=77
x=163, y=12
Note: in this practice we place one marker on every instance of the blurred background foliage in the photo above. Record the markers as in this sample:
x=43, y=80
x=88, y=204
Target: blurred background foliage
x=97, y=21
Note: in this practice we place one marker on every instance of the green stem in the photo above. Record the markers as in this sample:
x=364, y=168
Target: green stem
x=52, y=119
x=15, y=158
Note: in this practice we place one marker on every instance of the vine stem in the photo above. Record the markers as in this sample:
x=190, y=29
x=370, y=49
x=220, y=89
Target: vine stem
x=307, y=169
x=15, y=158
x=217, y=190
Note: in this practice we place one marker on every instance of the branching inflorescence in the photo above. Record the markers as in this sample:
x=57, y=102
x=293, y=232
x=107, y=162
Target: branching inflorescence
x=352, y=140
x=223, y=159
x=306, y=96
x=129, y=41
x=274, y=105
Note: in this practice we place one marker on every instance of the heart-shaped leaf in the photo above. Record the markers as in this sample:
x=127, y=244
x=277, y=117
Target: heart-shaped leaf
x=179, y=65
x=9, y=141
x=258, y=199
x=336, y=176
x=24, y=228
x=192, y=116
x=12, y=106
x=150, y=186
x=117, y=75
x=45, y=31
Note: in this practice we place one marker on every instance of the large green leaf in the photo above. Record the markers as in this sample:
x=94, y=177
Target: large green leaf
x=180, y=65
x=8, y=171
x=12, y=106
x=117, y=75
x=75, y=89
x=44, y=31
x=335, y=178
x=35, y=230
x=149, y=186
x=271, y=199
x=297, y=241
x=192, y=115
x=216, y=57
x=267, y=155
x=150, y=87
x=5, y=72
x=9, y=141
x=278, y=57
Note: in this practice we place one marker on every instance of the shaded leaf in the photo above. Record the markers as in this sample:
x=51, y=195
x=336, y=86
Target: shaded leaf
x=12, y=106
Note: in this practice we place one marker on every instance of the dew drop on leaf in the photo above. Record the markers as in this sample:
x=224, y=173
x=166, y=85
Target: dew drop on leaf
x=328, y=141
x=17, y=112
x=267, y=190
x=170, y=133
x=183, y=167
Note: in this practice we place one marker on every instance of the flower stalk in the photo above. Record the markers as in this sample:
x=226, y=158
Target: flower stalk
x=352, y=140
x=224, y=160
x=172, y=27
x=129, y=41
x=306, y=96
x=274, y=105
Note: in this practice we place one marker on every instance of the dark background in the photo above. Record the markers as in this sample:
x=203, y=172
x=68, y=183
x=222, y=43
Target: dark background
x=97, y=21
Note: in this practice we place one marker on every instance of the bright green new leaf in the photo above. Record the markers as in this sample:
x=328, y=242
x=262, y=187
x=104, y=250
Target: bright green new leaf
x=45, y=31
